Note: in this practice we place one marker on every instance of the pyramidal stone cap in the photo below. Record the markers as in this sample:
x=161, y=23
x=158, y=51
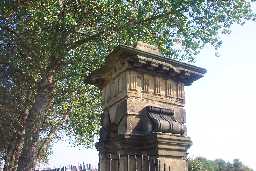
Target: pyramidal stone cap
x=147, y=48
x=148, y=59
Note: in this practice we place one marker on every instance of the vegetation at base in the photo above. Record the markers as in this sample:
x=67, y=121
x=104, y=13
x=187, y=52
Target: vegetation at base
x=202, y=164
x=48, y=47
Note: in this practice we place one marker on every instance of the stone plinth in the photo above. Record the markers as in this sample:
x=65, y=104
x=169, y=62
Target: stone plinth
x=144, y=120
x=157, y=151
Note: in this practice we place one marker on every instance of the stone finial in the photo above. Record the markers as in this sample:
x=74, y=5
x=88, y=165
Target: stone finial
x=147, y=48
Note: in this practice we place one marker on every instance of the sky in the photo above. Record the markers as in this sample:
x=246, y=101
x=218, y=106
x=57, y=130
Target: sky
x=220, y=107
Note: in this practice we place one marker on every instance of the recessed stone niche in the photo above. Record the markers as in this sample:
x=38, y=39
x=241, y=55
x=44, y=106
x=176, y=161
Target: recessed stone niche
x=143, y=108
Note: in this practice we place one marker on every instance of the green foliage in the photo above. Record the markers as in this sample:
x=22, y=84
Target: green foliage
x=68, y=39
x=202, y=164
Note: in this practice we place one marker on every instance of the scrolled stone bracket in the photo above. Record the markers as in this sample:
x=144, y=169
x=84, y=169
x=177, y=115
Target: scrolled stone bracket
x=163, y=120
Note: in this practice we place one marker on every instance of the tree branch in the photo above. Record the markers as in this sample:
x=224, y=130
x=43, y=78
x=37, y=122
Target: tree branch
x=134, y=24
x=19, y=39
x=51, y=134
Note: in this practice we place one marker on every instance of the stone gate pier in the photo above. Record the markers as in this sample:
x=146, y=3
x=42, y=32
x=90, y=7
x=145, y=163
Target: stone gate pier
x=144, y=120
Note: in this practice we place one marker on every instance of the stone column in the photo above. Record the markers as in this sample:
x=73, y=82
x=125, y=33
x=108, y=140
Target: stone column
x=144, y=120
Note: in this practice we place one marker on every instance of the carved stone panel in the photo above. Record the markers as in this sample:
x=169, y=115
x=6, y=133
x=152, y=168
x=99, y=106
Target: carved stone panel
x=157, y=86
x=121, y=111
x=169, y=88
x=174, y=89
x=132, y=80
x=117, y=112
x=145, y=83
x=115, y=89
x=148, y=84
x=180, y=91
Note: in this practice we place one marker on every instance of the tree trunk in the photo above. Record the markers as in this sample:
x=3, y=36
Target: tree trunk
x=14, y=149
x=13, y=153
x=9, y=163
x=27, y=160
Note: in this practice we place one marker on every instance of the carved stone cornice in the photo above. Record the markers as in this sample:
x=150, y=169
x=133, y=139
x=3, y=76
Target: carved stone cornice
x=137, y=59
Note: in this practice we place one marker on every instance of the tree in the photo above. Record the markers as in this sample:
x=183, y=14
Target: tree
x=221, y=164
x=239, y=166
x=202, y=164
x=48, y=47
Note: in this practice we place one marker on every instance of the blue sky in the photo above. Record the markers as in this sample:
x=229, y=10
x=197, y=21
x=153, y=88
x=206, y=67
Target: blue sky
x=220, y=106
x=221, y=115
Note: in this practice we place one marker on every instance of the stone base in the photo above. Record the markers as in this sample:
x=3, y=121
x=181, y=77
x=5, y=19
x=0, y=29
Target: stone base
x=168, y=145
x=156, y=152
x=172, y=151
x=171, y=164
